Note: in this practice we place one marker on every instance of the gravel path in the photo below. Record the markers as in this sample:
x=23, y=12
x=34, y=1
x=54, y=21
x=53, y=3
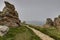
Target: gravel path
x=40, y=34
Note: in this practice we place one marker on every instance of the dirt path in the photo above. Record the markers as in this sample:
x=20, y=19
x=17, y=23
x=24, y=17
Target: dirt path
x=40, y=34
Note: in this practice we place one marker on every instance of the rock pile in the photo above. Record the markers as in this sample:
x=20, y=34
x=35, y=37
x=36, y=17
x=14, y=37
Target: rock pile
x=55, y=23
x=9, y=16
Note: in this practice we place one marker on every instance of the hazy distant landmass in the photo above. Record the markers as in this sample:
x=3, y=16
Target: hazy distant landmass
x=35, y=22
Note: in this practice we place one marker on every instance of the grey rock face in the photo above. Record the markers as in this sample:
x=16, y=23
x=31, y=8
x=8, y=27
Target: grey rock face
x=9, y=16
x=55, y=23
x=49, y=21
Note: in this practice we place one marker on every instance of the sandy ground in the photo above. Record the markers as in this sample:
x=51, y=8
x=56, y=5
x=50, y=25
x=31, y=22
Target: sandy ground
x=40, y=34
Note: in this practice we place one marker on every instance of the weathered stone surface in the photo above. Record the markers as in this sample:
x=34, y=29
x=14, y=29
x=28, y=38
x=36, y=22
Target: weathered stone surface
x=57, y=22
x=49, y=21
x=9, y=16
x=58, y=16
x=3, y=30
x=8, y=5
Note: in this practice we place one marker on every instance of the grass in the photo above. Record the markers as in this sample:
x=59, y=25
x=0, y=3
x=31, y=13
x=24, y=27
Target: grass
x=52, y=31
x=20, y=33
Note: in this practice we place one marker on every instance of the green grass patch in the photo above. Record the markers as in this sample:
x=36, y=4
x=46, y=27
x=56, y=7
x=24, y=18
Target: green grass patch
x=52, y=31
x=20, y=33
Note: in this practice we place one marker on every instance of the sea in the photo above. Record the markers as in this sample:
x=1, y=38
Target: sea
x=35, y=22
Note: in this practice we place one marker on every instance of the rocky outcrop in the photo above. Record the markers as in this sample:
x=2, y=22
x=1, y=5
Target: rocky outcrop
x=49, y=23
x=55, y=23
x=9, y=16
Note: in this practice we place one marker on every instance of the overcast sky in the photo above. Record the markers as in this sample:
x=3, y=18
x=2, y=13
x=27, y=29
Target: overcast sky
x=35, y=10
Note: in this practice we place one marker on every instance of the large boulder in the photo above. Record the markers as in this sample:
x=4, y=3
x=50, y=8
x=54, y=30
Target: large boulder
x=3, y=30
x=57, y=22
x=8, y=5
x=9, y=16
x=49, y=23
